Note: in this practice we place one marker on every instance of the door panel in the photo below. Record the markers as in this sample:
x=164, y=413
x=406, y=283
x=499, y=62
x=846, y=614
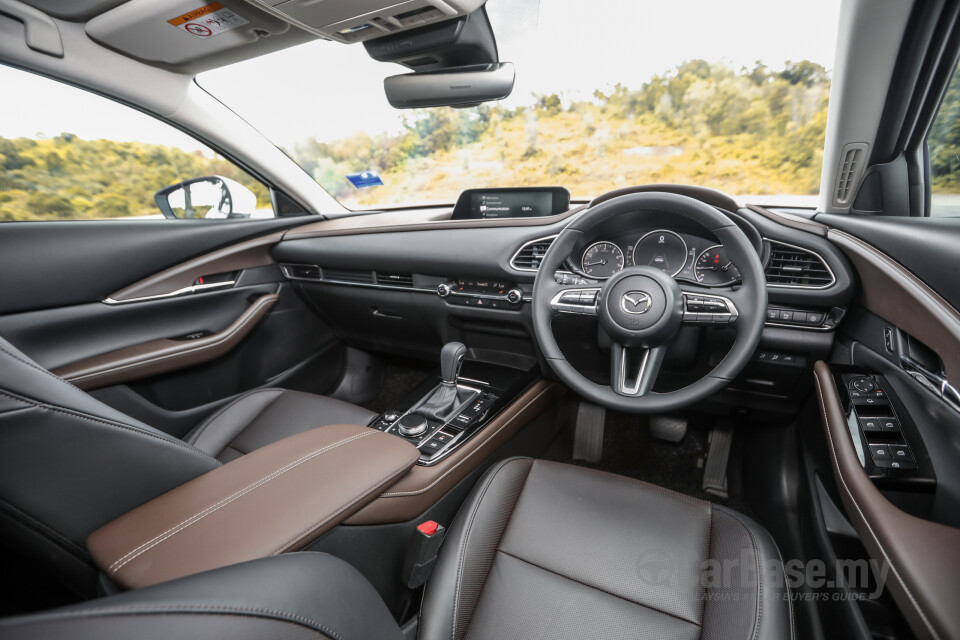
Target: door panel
x=55, y=264
x=69, y=328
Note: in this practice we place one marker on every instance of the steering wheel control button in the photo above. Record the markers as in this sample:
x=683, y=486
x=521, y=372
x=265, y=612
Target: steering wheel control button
x=706, y=309
x=576, y=301
x=412, y=425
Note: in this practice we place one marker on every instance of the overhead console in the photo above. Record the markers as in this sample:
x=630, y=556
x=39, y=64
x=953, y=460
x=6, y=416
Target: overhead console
x=351, y=21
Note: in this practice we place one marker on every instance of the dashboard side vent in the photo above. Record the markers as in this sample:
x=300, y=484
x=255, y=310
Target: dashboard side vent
x=528, y=257
x=851, y=167
x=797, y=268
x=301, y=271
x=342, y=275
x=395, y=279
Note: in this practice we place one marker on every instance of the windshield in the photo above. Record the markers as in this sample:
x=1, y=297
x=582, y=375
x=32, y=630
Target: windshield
x=609, y=94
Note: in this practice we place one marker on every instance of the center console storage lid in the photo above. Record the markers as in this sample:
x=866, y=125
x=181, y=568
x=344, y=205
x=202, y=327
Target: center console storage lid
x=272, y=500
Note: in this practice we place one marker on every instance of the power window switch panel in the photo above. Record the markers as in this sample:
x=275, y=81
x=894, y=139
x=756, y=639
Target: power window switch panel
x=889, y=424
x=902, y=453
x=870, y=425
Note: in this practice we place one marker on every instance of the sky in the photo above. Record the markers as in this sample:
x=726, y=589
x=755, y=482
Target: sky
x=331, y=90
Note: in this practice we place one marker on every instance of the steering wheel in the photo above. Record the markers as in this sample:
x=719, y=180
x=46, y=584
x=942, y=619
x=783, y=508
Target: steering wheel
x=641, y=308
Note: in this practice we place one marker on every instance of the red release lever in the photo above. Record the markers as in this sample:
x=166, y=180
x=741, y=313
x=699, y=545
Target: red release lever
x=428, y=528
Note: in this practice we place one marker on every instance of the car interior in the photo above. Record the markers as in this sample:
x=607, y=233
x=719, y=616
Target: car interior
x=517, y=410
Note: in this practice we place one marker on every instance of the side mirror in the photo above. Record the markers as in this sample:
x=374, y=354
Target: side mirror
x=208, y=197
x=455, y=87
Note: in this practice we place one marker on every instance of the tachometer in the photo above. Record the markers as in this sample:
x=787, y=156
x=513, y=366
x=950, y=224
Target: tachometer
x=713, y=267
x=662, y=249
x=602, y=260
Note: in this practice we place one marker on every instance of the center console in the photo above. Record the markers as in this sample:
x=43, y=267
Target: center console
x=441, y=415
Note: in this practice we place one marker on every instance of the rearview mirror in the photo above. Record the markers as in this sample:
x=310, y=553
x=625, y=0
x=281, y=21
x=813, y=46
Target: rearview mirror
x=453, y=87
x=208, y=197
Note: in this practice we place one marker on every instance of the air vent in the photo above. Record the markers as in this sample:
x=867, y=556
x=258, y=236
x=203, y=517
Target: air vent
x=848, y=174
x=797, y=268
x=355, y=277
x=301, y=271
x=395, y=279
x=530, y=254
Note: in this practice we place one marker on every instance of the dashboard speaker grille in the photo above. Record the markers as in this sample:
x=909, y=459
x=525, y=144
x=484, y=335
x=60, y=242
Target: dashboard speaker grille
x=797, y=268
x=528, y=257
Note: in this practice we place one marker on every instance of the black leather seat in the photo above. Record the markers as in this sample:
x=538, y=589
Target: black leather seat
x=546, y=550
x=69, y=463
x=539, y=550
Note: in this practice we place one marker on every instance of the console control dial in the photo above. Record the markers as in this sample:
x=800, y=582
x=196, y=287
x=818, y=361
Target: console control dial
x=412, y=425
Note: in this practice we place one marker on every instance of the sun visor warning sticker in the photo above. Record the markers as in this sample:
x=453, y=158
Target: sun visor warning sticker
x=365, y=179
x=208, y=21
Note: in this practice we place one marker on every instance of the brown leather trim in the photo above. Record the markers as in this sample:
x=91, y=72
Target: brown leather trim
x=924, y=556
x=794, y=222
x=275, y=499
x=901, y=298
x=160, y=356
x=421, y=487
x=412, y=220
x=243, y=255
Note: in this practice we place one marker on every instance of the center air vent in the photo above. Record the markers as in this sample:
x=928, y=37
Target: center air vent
x=349, y=277
x=797, y=268
x=395, y=280
x=530, y=254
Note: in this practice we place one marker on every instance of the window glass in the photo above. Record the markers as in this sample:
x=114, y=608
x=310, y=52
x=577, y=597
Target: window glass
x=67, y=154
x=717, y=94
x=944, y=142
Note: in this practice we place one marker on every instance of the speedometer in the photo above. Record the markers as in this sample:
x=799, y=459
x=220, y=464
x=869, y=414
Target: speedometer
x=662, y=249
x=713, y=267
x=602, y=260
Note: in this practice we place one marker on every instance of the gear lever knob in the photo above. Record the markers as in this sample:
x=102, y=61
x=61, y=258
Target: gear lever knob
x=451, y=359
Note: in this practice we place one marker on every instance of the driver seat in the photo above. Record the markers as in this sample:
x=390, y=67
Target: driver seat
x=539, y=550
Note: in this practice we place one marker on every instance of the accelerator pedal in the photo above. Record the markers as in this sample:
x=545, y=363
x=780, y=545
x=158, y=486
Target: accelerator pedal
x=715, y=471
x=588, y=432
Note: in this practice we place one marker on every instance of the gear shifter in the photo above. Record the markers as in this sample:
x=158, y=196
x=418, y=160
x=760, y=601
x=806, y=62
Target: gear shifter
x=445, y=398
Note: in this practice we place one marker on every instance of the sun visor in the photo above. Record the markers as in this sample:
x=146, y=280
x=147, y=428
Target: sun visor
x=181, y=30
x=351, y=21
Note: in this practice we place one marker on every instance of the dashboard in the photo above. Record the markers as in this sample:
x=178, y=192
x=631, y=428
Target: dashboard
x=683, y=256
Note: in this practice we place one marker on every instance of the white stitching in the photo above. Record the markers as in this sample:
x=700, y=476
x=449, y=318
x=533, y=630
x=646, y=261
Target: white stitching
x=465, y=458
x=146, y=546
x=343, y=507
x=139, y=363
x=863, y=518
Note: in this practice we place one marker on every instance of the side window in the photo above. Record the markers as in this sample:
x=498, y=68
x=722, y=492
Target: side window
x=944, y=144
x=67, y=154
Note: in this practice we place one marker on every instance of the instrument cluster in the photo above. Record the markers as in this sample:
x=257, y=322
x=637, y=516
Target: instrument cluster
x=680, y=255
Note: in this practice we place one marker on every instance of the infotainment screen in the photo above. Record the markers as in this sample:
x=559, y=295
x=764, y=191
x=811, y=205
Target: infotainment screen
x=532, y=202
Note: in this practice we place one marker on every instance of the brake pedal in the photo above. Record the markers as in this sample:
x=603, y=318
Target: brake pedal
x=588, y=432
x=667, y=428
x=715, y=471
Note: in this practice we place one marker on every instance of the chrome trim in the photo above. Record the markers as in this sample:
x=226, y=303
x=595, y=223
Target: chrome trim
x=577, y=309
x=288, y=276
x=799, y=327
x=833, y=277
x=696, y=259
x=523, y=246
x=696, y=317
x=932, y=381
x=197, y=288
x=633, y=254
x=633, y=391
x=370, y=285
x=584, y=254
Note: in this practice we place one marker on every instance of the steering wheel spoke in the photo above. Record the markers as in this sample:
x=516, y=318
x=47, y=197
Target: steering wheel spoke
x=633, y=371
x=701, y=307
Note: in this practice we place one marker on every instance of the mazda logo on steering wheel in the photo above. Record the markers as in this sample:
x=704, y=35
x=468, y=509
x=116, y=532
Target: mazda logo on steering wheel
x=636, y=302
